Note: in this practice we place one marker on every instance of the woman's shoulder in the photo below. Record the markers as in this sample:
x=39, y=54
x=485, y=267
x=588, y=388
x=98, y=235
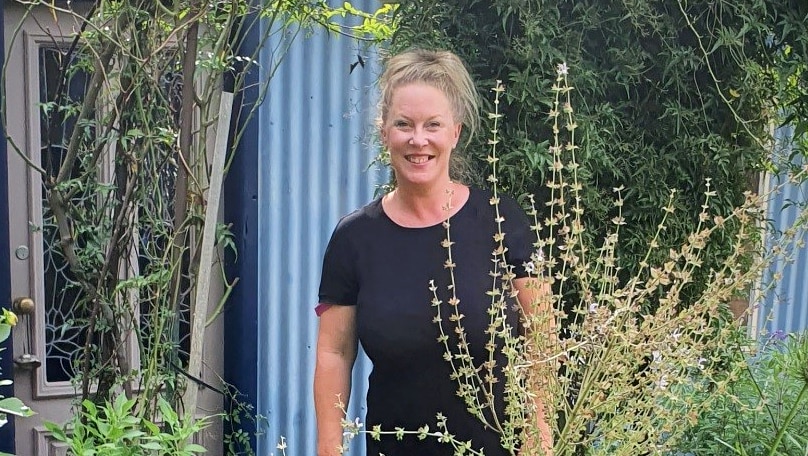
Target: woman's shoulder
x=483, y=198
x=361, y=219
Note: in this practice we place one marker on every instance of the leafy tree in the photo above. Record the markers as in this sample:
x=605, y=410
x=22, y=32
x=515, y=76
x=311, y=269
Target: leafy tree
x=669, y=95
x=136, y=135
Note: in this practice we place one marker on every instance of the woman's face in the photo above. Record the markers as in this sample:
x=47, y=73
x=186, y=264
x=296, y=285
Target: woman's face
x=420, y=133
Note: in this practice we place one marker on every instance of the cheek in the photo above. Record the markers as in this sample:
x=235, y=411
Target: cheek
x=395, y=139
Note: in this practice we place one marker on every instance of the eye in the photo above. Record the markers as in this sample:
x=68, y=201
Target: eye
x=401, y=124
x=432, y=125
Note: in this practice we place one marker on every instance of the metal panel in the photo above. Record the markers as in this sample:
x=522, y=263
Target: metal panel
x=783, y=298
x=315, y=148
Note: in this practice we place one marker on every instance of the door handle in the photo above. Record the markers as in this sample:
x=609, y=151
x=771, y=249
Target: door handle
x=23, y=306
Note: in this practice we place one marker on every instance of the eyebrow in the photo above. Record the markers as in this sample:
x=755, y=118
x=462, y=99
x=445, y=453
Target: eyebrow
x=402, y=116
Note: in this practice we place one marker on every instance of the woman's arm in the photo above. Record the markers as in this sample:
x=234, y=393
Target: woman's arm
x=336, y=353
x=534, y=298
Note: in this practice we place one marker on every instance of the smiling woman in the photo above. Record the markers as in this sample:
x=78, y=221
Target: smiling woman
x=449, y=80
x=420, y=134
x=377, y=270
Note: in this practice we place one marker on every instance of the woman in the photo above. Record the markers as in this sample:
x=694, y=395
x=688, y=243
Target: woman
x=381, y=259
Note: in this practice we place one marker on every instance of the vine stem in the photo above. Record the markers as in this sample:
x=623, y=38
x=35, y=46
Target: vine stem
x=782, y=431
x=713, y=76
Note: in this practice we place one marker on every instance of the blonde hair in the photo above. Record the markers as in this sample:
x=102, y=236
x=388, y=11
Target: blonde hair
x=444, y=71
x=440, y=69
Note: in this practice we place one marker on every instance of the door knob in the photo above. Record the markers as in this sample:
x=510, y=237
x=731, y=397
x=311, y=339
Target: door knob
x=23, y=306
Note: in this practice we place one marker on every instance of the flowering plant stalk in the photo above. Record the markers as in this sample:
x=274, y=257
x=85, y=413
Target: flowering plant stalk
x=613, y=376
x=614, y=373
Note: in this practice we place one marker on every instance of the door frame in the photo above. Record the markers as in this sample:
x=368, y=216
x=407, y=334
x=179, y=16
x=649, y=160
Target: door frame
x=6, y=364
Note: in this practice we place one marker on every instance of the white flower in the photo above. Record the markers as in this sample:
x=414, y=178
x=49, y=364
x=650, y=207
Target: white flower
x=562, y=69
x=593, y=307
x=662, y=383
x=538, y=255
x=657, y=356
x=352, y=429
x=530, y=267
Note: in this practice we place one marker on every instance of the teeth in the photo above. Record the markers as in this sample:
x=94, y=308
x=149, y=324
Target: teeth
x=417, y=160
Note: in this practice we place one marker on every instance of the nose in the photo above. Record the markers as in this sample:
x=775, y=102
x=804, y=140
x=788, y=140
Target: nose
x=418, y=138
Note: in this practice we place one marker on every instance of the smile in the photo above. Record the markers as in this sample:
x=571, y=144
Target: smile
x=418, y=159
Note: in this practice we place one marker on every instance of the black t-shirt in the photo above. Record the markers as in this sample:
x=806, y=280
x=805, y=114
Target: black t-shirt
x=384, y=269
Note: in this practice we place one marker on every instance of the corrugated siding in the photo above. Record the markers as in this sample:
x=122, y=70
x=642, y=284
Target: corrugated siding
x=784, y=299
x=314, y=154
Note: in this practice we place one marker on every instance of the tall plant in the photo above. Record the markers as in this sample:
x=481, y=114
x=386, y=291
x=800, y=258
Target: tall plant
x=636, y=364
x=136, y=140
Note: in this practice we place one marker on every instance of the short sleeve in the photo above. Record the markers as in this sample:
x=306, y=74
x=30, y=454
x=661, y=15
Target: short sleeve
x=520, y=239
x=338, y=281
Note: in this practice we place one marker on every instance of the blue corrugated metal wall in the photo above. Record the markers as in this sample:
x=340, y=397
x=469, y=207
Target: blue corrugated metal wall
x=314, y=151
x=784, y=300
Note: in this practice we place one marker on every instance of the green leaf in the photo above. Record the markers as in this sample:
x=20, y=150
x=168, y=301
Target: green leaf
x=57, y=432
x=14, y=406
x=799, y=130
x=151, y=427
x=194, y=448
x=5, y=331
x=132, y=434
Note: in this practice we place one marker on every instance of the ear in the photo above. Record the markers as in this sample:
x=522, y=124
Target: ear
x=458, y=128
x=383, y=136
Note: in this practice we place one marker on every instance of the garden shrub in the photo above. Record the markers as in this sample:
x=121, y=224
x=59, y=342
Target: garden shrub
x=671, y=94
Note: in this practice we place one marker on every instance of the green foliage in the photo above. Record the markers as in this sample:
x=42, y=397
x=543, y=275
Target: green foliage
x=119, y=429
x=788, y=56
x=127, y=176
x=764, y=411
x=238, y=415
x=346, y=19
x=668, y=95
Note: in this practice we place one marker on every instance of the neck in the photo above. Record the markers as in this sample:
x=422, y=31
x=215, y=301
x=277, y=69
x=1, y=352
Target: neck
x=427, y=204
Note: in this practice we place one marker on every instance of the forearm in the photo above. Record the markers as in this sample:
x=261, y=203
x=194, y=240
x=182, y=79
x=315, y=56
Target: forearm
x=544, y=428
x=332, y=386
x=535, y=299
